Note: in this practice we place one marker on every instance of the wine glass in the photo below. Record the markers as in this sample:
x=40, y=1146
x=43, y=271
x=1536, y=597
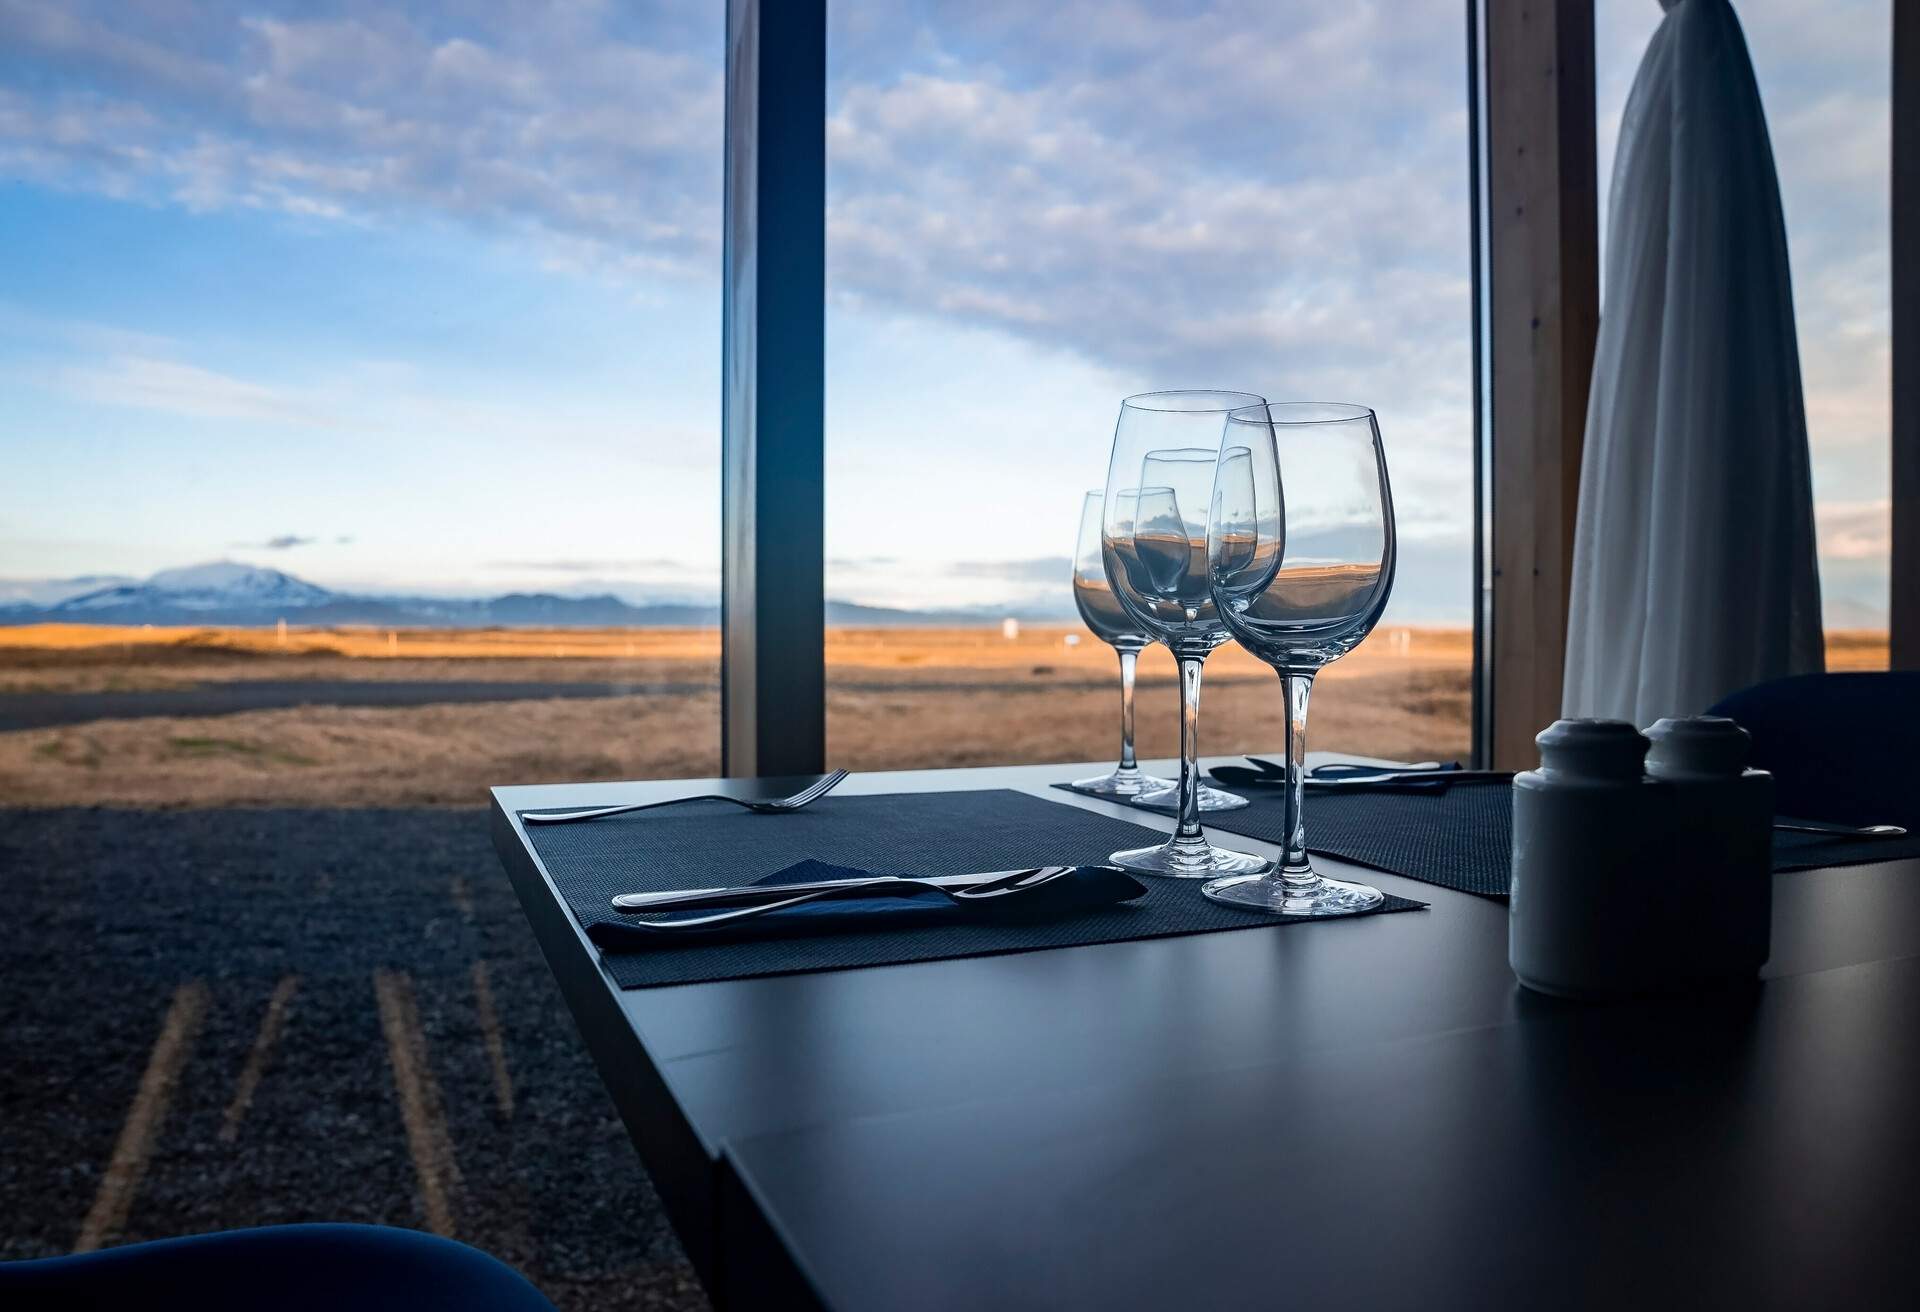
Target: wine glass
x=1164, y=450
x=1111, y=624
x=1164, y=794
x=1300, y=555
x=1093, y=595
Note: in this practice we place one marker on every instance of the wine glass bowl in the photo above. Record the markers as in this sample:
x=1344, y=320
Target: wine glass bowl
x=1300, y=558
x=1093, y=596
x=1163, y=563
x=1164, y=450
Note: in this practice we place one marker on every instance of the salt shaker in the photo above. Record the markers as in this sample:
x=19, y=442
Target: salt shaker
x=1724, y=847
x=1592, y=855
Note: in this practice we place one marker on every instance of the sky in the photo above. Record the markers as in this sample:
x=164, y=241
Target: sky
x=425, y=297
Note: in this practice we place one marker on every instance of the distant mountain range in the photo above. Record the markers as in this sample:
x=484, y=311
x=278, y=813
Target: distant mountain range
x=229, y=593
x=1428, y=590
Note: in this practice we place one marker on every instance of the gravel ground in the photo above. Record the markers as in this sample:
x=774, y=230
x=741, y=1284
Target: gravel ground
x=368, y=976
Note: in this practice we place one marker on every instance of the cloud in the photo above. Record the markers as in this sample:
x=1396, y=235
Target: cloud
x=1180, y=193
x=173, y=387
x=922, y=582
x=1237, y=196
x=576, y=565
x=1240, y=194
x=1855, y=530
x=80, y=336
x=284, y=542
x=1040, y=569
x=512, y=118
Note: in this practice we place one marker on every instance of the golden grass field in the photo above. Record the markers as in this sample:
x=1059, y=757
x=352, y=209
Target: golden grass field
x=897, y=698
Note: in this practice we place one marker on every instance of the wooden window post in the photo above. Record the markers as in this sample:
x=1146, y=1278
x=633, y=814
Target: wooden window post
x=1542, y=315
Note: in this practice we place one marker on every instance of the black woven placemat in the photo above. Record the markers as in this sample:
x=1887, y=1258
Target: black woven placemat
x=703, y=844
x=1463, y=838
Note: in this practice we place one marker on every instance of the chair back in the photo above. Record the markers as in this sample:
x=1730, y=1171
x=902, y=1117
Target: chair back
x=1841, y=747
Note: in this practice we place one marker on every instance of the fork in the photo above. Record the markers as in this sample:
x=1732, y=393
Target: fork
x=765, y=806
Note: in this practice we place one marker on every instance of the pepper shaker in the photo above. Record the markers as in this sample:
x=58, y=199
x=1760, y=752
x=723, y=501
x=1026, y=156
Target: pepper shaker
x=1724, y=847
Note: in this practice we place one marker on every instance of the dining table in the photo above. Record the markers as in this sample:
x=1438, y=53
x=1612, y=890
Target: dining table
x=1367, y=1112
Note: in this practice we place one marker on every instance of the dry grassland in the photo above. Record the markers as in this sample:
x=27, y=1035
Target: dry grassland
x=898, y=698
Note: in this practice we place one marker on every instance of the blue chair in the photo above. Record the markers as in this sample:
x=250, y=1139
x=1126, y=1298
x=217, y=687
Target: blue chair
x=1840, y=747
x=283, y=1268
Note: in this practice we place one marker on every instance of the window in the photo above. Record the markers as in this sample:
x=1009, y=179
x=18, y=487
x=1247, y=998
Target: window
x=1824, y=79
x=1034, y=211
x=397, y=326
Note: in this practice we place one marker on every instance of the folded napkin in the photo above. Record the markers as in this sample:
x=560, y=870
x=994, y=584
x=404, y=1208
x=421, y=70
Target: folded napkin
x=1088, y=888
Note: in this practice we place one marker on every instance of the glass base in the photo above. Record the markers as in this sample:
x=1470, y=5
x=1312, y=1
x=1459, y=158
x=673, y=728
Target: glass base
x=1294, y=893
x=1189, y=858
x=1121, y=783
x=1168, y=798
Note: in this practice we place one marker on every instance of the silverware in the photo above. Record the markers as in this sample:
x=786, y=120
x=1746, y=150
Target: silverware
x=1841, y=831
x=1445, y=778
x=1009, y=885
x=1346, y=769
x=689, y=899
x=766, y=806
x=1357, y=769
x=1270, y=774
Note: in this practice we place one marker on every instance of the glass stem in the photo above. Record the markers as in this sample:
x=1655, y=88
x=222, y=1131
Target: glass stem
x=1127, y=659
x=1293, y=864
x=1190, y=667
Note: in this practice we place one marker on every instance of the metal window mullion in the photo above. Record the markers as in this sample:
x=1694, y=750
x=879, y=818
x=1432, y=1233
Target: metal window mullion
x=773, y=607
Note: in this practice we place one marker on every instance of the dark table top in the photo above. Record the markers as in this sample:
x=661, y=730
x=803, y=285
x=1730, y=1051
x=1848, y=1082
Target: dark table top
x=1361, y=1113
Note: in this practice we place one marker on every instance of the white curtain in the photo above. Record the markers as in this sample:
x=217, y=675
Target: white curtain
x=1693, y=569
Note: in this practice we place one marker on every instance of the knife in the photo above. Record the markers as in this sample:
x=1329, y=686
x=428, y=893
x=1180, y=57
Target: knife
x=746, y=895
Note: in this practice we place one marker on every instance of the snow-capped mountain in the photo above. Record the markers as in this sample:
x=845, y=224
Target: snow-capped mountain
x=219, y=586
x=231, y=593
x=34, y=594
x=226, y=592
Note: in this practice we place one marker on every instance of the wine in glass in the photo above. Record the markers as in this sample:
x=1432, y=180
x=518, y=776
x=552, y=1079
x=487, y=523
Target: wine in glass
x=1153, y=538
x=1300, y=549
x=1103, y=614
